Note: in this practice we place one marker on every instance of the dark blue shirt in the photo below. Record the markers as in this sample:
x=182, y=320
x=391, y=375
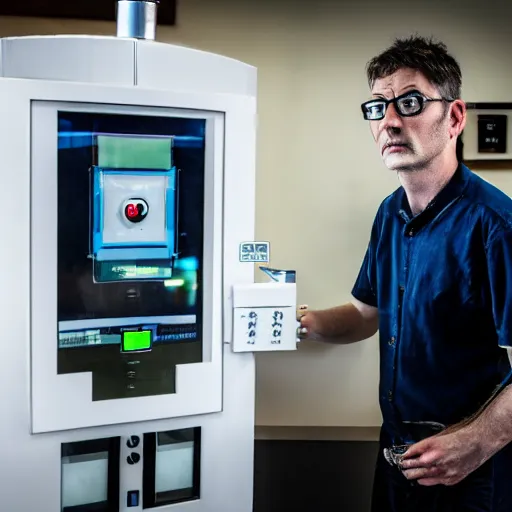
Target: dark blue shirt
x=442, y=281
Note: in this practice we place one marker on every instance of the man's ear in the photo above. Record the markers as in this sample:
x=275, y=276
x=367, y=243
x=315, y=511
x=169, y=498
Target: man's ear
x=458, y=117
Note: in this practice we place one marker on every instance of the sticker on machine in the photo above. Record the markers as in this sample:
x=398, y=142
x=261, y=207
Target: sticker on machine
x=255, y=252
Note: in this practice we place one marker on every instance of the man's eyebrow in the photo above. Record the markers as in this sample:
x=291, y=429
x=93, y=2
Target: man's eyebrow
x=410, y=87
x=403, y=90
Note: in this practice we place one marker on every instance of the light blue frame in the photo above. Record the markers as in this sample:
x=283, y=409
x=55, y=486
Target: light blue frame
x=103, y=251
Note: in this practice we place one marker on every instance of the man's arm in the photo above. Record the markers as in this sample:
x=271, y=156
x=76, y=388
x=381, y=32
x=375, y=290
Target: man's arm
x=494, y=419
x=448, y=457
x=493, y=422
x=351, y=322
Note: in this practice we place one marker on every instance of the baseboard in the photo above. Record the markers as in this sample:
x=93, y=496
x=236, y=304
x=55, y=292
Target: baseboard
x=293, y=433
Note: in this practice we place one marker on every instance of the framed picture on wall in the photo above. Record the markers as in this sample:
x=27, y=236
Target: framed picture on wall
x=99, y=10
x=492, y=133
x=486, y=139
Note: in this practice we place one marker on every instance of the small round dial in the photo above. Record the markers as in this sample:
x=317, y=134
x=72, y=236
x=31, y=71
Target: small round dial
x=135, y=210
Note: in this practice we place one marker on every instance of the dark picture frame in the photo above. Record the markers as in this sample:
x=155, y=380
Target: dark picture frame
x=485, y=143
x=97, y=10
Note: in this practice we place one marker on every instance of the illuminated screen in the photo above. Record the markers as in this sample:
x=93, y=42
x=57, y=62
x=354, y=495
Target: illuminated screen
x=131, y=201
x=136, y=340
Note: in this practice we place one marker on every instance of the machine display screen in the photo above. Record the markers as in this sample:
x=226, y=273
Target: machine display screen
x=130, y=246
x=136, y=340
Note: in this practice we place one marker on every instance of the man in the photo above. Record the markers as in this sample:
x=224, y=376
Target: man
x=436, y=281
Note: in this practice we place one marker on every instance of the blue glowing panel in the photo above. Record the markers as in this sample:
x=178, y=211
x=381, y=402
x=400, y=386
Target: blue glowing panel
x=134, y=214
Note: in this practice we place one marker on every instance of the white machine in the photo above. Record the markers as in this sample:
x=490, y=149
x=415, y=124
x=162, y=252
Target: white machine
x=129, y=305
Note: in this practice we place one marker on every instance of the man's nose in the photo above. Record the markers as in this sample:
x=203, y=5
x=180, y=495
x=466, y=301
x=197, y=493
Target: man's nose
x=392, y=120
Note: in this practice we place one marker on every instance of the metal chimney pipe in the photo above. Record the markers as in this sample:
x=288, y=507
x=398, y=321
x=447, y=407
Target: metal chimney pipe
x=137, y=18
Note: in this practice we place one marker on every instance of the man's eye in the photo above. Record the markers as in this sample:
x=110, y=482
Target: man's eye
x=410, y=102
x=376, y=108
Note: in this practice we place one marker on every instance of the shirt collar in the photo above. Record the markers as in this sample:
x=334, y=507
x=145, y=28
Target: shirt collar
x=452, y=191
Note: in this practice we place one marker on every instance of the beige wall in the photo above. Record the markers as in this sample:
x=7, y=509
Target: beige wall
x=319, y=178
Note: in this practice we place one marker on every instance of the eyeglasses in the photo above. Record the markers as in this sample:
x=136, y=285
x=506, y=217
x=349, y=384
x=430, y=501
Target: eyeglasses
x=409, y=104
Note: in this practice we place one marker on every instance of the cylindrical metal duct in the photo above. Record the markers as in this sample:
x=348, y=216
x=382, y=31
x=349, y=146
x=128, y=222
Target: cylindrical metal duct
x=137, y=19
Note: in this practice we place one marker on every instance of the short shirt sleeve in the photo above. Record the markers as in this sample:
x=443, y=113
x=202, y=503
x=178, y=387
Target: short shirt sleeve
x=365, y=286
x=499, y=267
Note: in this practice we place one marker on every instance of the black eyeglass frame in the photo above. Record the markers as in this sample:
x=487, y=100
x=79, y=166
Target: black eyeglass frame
x=415, y=94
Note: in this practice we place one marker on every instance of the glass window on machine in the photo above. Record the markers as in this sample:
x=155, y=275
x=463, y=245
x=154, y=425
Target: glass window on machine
x=171, y=467
x=90, y=476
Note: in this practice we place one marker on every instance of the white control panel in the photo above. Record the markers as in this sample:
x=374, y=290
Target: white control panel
x=264, y=317
x=131, y=473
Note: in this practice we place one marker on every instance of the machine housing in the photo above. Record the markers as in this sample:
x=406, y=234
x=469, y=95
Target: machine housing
x=128, y=170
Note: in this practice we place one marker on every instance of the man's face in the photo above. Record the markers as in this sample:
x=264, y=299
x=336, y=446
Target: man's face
x=419, y=139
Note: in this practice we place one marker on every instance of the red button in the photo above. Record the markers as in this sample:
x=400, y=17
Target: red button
x=132, y=210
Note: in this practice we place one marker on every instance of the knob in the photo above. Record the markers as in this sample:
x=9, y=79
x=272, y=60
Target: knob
x=135, y=209
x=133, y=442
x=133, y=458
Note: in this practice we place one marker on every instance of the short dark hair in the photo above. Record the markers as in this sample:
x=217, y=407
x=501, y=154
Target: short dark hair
x=423, y=54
